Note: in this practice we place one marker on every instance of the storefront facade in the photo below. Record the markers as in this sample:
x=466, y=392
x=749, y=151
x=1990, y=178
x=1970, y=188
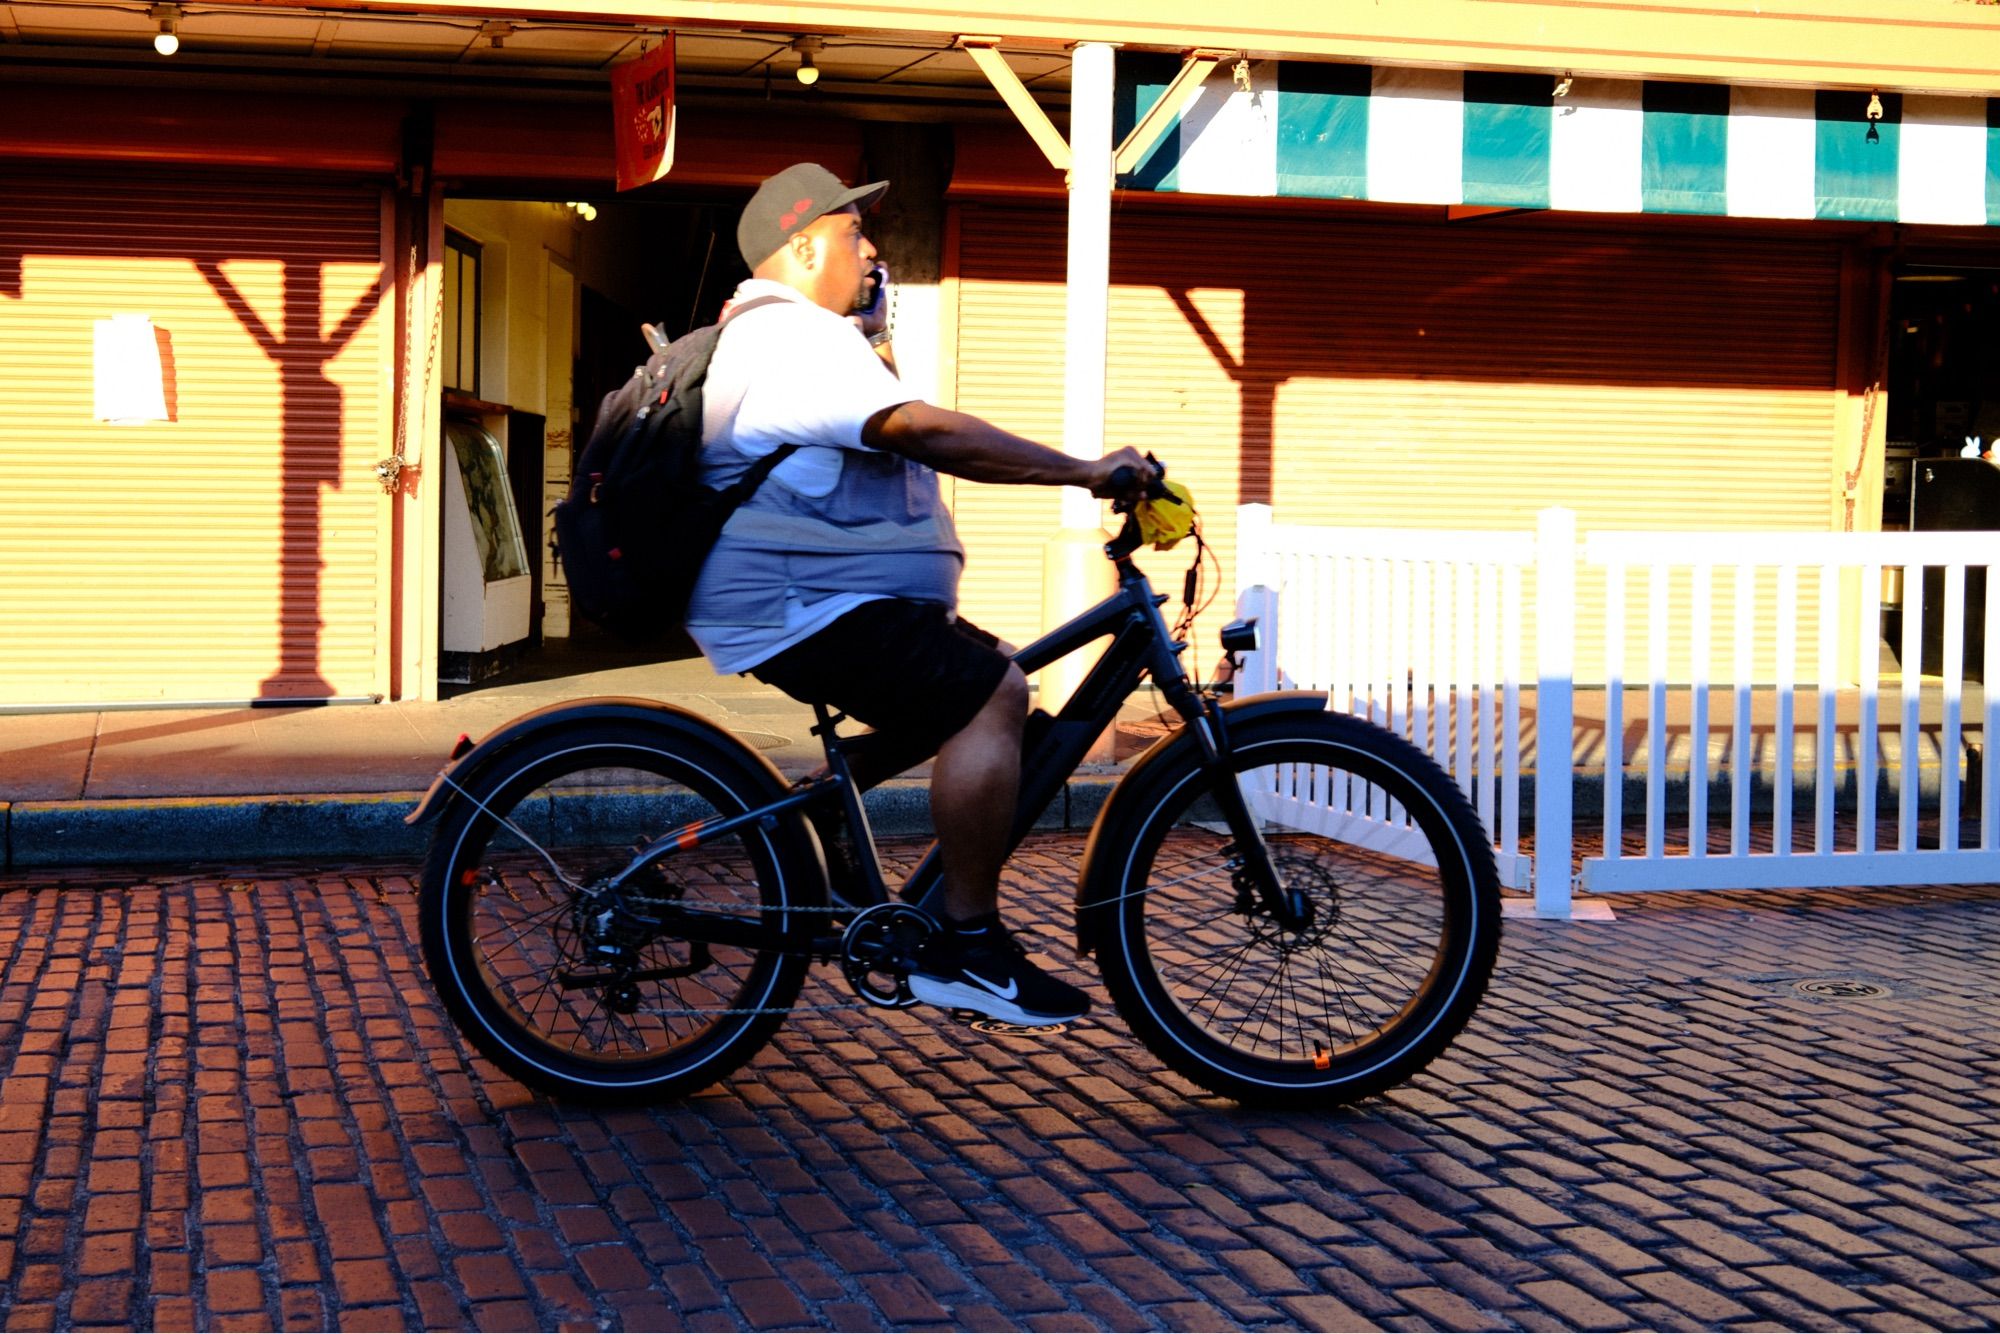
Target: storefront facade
x=1634, y=265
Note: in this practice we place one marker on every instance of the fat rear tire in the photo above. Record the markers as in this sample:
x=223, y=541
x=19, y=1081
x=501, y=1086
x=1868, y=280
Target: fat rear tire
x=501, y=930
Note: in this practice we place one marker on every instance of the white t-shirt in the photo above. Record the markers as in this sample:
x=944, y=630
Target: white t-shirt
x=792, y=374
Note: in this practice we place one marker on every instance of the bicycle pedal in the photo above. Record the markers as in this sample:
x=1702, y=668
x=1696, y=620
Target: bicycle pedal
x=1000, y=1028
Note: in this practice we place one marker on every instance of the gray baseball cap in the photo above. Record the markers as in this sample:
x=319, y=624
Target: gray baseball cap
x=790, y=200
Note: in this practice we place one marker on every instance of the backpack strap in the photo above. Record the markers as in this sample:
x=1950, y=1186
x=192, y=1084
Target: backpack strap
x=753, y=477
x=752, y=304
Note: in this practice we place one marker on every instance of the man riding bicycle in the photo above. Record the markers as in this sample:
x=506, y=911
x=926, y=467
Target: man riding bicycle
x=837, y=581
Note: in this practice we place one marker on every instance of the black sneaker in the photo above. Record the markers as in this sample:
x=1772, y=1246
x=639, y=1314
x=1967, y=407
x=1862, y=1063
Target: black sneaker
x=988, y=973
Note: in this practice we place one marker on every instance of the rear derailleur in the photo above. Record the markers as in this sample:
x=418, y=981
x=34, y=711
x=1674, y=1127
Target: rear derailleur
x=613, y=928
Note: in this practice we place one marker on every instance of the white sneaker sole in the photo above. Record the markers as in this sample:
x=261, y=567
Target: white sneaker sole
x=965, y=996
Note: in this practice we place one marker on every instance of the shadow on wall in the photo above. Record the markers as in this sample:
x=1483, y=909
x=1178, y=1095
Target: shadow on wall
x=1407, y=328
x=301, y=353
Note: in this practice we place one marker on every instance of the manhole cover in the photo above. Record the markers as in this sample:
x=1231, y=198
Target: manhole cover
x=1841, y=988
x=979, y=1023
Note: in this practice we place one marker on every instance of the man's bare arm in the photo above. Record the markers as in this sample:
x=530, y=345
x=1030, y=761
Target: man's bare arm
x=969, y=447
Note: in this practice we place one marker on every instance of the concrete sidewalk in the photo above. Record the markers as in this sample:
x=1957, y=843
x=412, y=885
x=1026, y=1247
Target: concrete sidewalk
x=164, y=785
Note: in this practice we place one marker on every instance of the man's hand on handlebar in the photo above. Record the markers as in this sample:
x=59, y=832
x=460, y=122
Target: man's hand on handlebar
x=1123, y=476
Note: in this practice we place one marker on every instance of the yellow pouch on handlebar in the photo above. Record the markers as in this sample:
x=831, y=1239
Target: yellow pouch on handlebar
x=1167, y=520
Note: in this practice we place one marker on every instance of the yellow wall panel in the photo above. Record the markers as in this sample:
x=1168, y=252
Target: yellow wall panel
x=231, y=551
x=1411, y=375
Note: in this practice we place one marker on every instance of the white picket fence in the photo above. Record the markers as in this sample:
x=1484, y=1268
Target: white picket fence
x=1418, y=632
x=1422, y=632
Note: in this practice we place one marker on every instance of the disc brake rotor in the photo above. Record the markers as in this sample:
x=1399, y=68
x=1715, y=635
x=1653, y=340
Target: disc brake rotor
x=1321, y=889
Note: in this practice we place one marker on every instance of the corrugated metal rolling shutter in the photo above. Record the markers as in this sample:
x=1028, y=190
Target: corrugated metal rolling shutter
x=236, y=550
x=1411, y=375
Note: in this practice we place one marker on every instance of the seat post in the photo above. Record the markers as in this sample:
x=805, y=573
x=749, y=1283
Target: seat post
x=851, y=803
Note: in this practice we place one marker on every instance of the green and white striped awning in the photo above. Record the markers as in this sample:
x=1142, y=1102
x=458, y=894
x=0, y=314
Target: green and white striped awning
x=1505, y=140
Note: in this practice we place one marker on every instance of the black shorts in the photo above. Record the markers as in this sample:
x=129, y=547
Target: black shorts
x=901, y=667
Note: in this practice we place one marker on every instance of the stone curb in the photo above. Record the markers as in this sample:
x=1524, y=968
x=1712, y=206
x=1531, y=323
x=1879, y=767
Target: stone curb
x=206, y=829
x=209, y=829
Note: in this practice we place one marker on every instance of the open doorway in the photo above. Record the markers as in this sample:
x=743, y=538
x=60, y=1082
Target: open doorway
x=544, y=306
x=1943, y=415
x=1943, y=391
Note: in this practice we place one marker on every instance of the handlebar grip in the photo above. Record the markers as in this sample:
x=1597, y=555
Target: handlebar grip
x=1125, y=478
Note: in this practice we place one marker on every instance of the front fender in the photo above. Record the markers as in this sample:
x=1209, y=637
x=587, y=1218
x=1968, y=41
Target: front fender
x=467, y=760
x=1164, y=754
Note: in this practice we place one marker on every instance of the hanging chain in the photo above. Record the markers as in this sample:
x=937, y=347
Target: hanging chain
x=1869, y=400
x=390, y=470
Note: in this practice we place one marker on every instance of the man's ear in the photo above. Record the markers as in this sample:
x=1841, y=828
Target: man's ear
x=804, y=248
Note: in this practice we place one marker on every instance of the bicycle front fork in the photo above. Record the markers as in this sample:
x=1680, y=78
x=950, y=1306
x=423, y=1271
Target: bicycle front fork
x=1290, y=909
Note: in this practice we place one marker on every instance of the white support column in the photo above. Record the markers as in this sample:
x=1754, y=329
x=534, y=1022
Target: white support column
x=1075, y=574
x=1089, y=292
x=1555, y=651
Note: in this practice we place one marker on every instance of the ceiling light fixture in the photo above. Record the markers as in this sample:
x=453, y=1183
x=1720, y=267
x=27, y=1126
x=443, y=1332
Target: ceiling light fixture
x=497, y=33
x=807, y=72
x=167, y=40
x=1563, y=82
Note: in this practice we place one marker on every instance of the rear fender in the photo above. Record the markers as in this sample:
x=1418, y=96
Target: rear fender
x=650, y=716
x=1096, y=882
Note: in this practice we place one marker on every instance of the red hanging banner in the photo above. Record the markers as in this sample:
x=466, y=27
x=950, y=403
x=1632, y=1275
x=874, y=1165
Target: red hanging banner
x=642, y=112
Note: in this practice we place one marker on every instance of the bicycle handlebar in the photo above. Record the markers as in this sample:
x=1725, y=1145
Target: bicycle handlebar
x=1123, y=481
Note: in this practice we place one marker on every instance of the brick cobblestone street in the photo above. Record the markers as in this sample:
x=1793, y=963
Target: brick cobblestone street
x=232, y=1101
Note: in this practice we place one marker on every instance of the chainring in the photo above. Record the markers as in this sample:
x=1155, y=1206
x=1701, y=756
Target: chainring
x=879, y=950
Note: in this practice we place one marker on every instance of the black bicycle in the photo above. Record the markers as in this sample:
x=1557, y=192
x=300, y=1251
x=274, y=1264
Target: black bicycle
x=1289, y=906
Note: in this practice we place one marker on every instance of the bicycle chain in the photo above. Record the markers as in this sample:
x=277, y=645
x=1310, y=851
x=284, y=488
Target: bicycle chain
x=745, y=909
x=816, y=1009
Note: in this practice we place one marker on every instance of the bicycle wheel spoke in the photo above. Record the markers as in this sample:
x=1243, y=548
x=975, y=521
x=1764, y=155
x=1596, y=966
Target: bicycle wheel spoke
x=1216, y=856
x=1354, y=1028
x=526, y=924
x=1219, y=972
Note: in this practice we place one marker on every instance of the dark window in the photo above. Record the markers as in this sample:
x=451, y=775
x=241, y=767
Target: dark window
x=460, y=341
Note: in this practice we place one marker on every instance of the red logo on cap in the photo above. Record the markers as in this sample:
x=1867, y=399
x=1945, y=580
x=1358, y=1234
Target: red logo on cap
x=790, y=220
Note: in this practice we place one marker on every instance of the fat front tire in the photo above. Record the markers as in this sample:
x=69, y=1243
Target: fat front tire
x=587, y=994
x=1404, y=925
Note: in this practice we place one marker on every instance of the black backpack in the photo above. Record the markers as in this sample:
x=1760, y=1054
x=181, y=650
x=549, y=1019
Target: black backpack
x=637, y=524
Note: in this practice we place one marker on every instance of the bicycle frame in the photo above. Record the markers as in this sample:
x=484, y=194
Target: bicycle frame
x=1052, y=748
x=1054, y=745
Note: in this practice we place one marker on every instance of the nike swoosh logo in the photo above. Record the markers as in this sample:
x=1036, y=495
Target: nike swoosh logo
x=1013, y=986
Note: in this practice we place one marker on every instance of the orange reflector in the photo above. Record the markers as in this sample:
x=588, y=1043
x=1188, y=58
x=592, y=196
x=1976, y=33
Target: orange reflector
x=689, y=837
x=469, y=879
x=1322, y=1058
